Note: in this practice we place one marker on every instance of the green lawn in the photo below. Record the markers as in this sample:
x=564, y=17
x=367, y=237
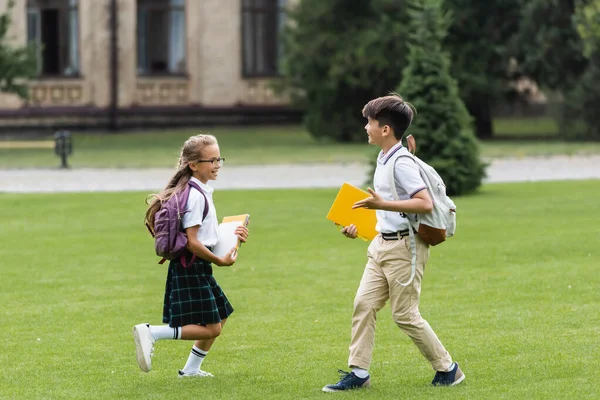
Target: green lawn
x=514, y=298
x=525, y=127
x=262, y=145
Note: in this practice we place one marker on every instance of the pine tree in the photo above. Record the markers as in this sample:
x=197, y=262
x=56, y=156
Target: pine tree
x=442, y=125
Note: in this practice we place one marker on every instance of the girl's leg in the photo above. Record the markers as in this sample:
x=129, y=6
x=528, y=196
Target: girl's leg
x=197, y=355
x=206, y=344
x=200, y=332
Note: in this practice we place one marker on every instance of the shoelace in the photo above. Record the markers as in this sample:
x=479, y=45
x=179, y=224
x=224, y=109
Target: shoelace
x=344, y=376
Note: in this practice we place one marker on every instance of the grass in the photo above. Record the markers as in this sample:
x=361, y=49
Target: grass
x=263, y=145
x=525, y=127
x=514, y=298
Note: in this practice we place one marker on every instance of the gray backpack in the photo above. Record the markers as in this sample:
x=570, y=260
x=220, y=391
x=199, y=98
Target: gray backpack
x=440, y=224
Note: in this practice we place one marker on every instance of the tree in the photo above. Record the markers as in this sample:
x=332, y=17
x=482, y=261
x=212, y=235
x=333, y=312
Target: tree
x=480, y=38
x=579, y=118
x=548, y=48
x=339, y=54
x=442, y=124
x=16, y=63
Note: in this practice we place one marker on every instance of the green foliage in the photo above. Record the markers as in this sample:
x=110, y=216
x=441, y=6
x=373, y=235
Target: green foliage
x=479, y=41
x=17, y=63
x=588, y=24
x=340, y=54
x=548, y=48
x=579, y=118
x=441, y=125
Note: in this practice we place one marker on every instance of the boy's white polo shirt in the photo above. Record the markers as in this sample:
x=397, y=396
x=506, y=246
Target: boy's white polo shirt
x=208, y=233
x=408, y=183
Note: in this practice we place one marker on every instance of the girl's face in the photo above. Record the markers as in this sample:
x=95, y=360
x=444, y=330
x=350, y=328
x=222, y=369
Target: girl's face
x=207, y=169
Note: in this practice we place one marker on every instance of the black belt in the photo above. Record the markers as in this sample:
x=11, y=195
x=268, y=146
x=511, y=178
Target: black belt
x=395, y=235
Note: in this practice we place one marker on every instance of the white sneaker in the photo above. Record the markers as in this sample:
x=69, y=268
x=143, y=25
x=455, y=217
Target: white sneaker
x=197, y=374
x=144, y=346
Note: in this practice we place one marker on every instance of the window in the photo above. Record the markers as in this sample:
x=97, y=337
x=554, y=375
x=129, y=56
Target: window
x=161, y=37
x=262, y=22
x=53, y=25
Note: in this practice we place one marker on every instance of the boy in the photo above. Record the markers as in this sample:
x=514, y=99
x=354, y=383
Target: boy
x=389, y=254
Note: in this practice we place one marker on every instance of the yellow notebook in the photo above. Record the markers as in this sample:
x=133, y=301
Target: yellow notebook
x=227, y=238
x=342, y=214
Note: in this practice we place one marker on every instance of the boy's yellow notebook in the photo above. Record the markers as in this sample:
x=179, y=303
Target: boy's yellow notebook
x=227, y=237
x=342, y=214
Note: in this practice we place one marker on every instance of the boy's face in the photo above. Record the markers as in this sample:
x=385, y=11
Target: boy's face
x=376, y=132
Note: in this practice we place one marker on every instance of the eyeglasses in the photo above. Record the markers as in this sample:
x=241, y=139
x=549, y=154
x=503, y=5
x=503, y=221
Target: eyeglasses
x=219, y=160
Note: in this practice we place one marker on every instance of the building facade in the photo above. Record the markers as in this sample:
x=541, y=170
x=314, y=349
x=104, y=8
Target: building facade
x=129, y=63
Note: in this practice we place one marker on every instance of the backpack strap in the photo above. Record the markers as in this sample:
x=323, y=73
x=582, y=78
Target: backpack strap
x=411, y=233
x=198, y=188
x=411, y=144
x=194, y=185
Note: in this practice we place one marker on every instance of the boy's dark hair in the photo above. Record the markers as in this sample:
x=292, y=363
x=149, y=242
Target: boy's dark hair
x=391, y=110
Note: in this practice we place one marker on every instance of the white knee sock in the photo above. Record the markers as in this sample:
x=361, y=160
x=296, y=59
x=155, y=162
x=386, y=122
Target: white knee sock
x=194, y=360
x=162, y=332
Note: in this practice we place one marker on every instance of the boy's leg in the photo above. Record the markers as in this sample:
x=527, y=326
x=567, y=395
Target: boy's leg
x=370, y=297
x=404, y=301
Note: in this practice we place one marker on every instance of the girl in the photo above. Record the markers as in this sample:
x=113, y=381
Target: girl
x=195, y=307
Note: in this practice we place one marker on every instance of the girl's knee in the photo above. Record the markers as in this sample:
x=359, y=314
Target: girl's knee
x=214, y=329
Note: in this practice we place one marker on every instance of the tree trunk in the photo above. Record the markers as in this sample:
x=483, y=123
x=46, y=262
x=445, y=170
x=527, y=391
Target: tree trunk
x=482, y=116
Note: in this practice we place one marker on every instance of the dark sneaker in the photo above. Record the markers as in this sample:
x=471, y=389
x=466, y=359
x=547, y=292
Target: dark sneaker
x=450, y=378
x=348, y=381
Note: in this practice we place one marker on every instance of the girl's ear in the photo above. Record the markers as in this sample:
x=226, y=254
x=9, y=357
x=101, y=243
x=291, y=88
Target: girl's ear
x=193, y=166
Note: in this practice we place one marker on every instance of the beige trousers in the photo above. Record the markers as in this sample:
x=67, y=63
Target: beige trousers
x=389, y=261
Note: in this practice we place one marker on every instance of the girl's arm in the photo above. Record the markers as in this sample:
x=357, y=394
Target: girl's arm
x=195, y=246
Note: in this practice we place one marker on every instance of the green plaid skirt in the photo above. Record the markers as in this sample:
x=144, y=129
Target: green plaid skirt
x=193, y=296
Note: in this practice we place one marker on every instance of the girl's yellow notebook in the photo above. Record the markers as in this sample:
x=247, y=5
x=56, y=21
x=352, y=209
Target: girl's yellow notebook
x=342, y=214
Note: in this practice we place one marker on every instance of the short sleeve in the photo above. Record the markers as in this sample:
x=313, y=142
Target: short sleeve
x=408, y=177
x=195, y=207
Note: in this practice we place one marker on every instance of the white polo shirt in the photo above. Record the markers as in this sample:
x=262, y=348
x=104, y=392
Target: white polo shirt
x=408, y=183
x=208, y=233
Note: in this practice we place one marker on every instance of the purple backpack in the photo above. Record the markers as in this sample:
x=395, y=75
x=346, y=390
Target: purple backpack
x=170, y=239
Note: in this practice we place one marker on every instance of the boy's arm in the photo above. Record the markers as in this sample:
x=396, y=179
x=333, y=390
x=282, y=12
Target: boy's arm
x=419, y=203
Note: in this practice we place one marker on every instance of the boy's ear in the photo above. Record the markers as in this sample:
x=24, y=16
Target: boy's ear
x=386, y=130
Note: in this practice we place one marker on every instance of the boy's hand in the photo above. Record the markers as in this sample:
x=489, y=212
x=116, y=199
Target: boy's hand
x=242, y=233
x=350, y=231
x=375, y=202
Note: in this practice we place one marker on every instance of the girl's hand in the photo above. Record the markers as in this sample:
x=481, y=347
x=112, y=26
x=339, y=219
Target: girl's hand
x=350, y=231
x=242, y=233
x=375, y=202
x=228, y=259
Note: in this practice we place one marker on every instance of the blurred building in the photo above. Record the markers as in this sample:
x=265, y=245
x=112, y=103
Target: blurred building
x=126, y=63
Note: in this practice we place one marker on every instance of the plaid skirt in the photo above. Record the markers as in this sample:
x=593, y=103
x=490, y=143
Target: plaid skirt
x=193, y=296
